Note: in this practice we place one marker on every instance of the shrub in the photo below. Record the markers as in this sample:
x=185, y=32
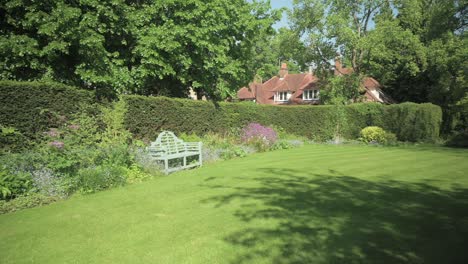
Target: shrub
x=145, y=163
x=11, y=140
x=100, y=178
x=26, y=201
x=233, y=152
x=211, y=154
x=135, y=174
x=190, y=137
x=33, y=107
x=13, y=184
x=375, y=134
x=281, y=144
x=458, y=139
x=259, y=136
x=48, y=183
x=413, y=122
x=147, y=116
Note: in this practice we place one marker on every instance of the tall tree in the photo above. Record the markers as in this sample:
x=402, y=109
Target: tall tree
x=121, y=46
x=284, y=45
x=421, y=53
x=337, y=25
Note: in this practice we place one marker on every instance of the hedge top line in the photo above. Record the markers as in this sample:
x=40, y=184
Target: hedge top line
x=22, y=105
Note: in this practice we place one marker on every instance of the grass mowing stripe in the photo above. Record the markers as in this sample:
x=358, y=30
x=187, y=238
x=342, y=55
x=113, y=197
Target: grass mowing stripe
x=265, y=208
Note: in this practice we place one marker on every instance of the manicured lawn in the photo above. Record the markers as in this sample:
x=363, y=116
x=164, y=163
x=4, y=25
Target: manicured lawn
x=316, y=204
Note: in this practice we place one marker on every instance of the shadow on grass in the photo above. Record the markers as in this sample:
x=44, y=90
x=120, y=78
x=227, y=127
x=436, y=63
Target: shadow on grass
x=293, y=217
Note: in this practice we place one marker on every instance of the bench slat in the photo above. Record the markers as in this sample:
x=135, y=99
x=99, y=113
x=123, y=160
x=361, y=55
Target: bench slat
x=167, y=146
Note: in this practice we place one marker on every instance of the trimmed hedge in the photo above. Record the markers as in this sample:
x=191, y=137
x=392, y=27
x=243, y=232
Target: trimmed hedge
x=147, y=116
x=33, y=107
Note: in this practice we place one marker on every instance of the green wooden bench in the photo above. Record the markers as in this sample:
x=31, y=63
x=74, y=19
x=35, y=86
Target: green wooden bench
x=168, y=147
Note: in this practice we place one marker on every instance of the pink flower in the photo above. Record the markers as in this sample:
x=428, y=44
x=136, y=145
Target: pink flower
x=74, y=127
x=53, y=132
x=255, y=131
x=57, y=144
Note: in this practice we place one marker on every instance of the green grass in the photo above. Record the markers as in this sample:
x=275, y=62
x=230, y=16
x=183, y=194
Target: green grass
x=316, y=204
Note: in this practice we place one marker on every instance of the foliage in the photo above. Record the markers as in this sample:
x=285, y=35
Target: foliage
x=458, y=139
x=417, y=49
x=190, y=137
x=419, y=54
x=333, y=25
x=233, y=152
x=12, y=140
x=147, y=116
x=46, y=182
x=34, y=107
x=134, y=174
x=144, y=47
x=26, y=201
x=259, y=136
x=341, y=89
x=144, y=163
x=413, y=122
x=281, y=144
x=93, y=179
x=13, y=184
x=115, y=132
x=375, y=134
x=286, y=46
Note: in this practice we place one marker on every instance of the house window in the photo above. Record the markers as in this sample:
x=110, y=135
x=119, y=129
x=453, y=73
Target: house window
x=283, y=96
x=310, y=95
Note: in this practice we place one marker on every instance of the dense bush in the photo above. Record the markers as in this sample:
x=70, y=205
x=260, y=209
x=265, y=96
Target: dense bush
x=85, y=153
x=458, y=139
x=13, y=184
x=147, y=116
x=33, y=107
x=11, y=140
x=26, y=201
x=413, y=122
x=99, y=178
x=375, y=134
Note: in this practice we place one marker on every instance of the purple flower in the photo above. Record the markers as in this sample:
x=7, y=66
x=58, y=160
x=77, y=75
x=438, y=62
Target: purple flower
x=57, y=144
x=53, y=132
x=255, y=131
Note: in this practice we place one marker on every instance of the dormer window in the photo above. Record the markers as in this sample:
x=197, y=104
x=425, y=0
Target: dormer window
x=310, y=95
x=282, y=96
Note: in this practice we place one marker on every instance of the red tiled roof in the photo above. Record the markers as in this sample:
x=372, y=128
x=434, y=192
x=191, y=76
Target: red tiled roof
x=281, y=86
x=245, y=93
x=371, y=83
x=343, y=71
x=297, y=83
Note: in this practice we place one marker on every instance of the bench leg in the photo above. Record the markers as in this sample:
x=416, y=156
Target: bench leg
x=166, y=166
x=200, y=159
x=185, y=162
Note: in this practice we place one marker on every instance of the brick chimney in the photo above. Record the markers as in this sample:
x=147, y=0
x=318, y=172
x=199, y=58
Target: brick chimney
x=283, y=70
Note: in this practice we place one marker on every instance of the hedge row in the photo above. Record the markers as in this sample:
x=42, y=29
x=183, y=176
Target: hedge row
x=33, y=107
x=147, y=116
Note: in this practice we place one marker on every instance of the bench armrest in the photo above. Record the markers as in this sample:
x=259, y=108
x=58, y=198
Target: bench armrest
x=193, y=146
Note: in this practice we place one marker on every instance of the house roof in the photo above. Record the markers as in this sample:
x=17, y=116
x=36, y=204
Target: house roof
x=371, y=83
x=291, y=82
x=297, y=83
x=245, y=93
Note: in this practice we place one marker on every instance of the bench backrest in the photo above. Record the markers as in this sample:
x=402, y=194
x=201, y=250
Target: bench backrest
x=167, y=143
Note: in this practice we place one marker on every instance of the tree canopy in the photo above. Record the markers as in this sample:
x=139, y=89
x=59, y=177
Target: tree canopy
x=417, y=49
x=144, y=47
